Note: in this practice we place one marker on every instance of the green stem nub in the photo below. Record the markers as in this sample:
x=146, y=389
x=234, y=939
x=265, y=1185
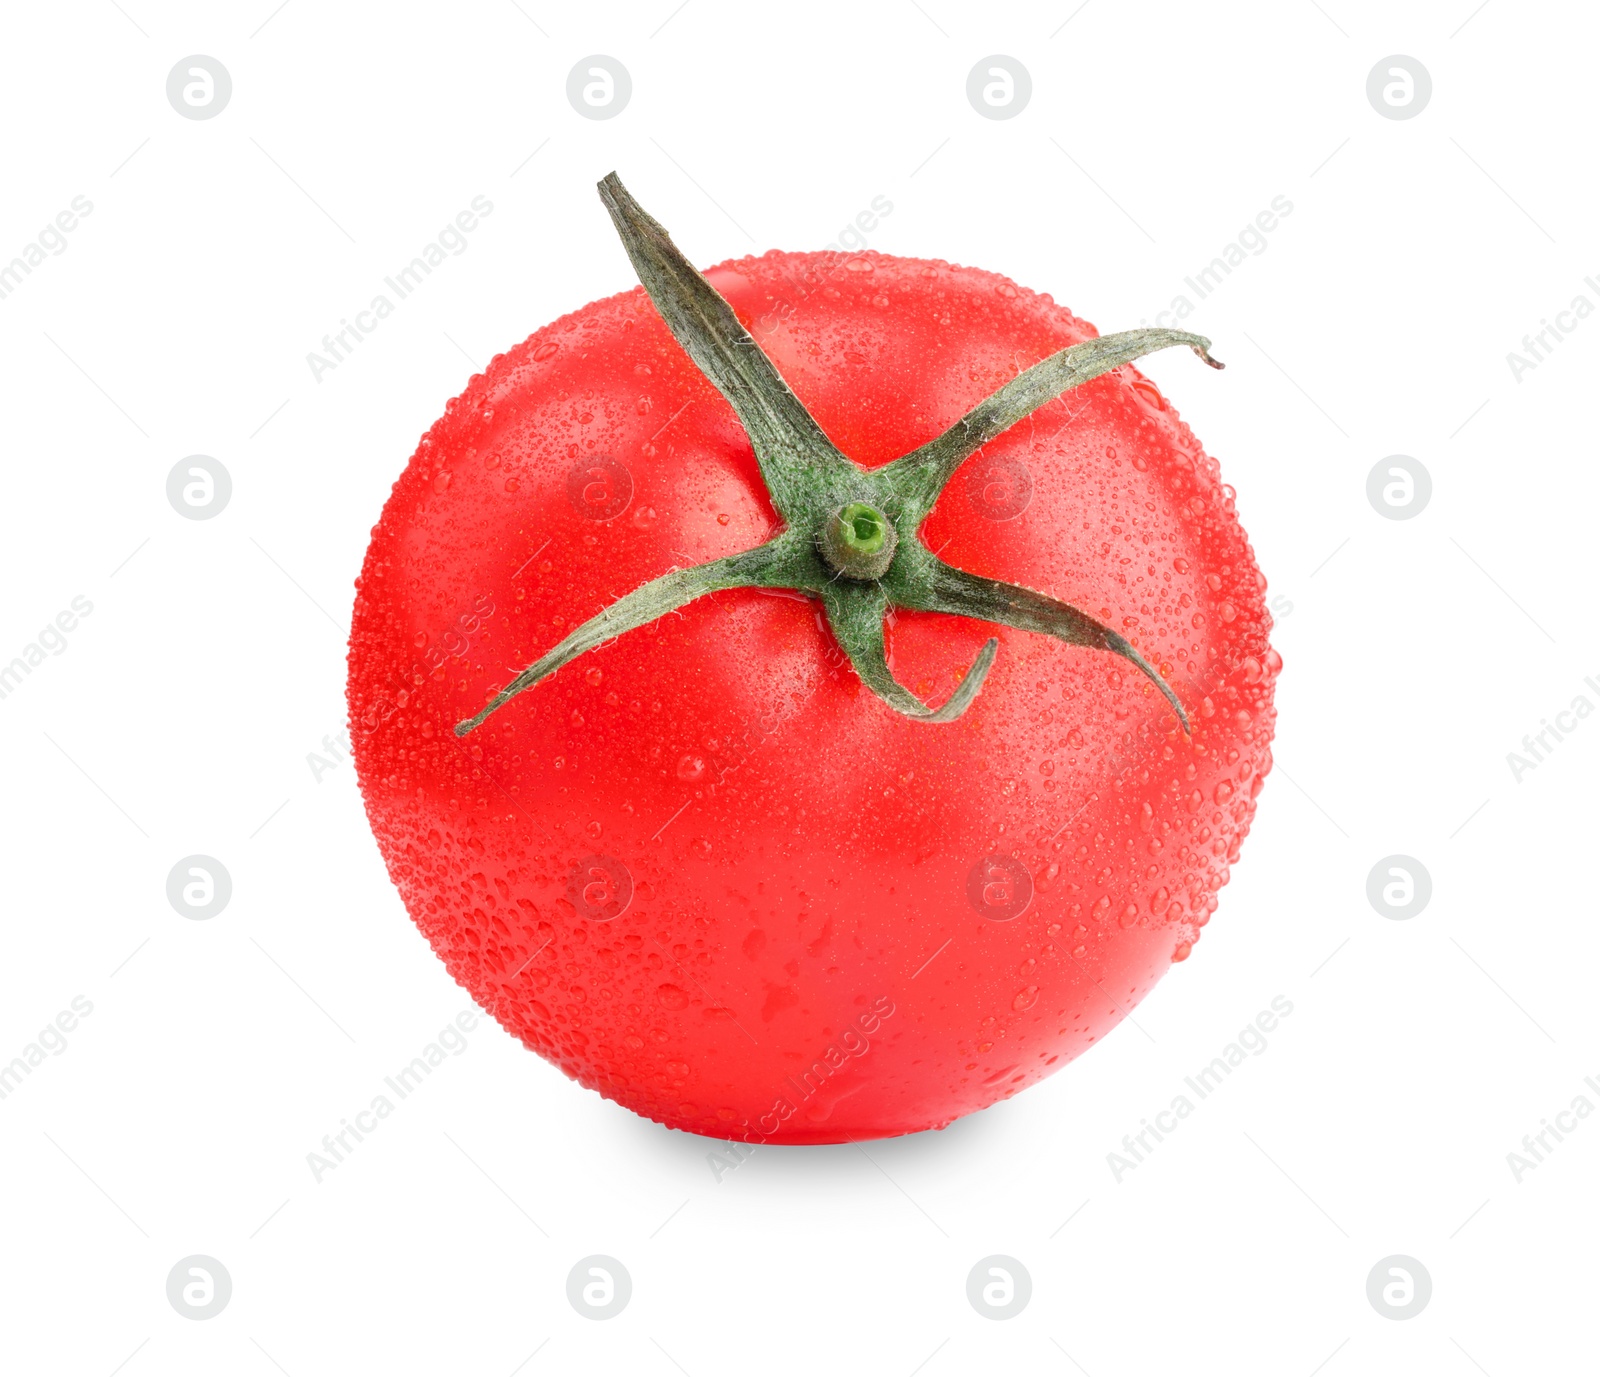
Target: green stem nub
x=858, y=542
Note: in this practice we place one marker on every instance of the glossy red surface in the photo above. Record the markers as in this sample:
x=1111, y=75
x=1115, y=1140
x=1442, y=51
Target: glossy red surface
x=703, y=870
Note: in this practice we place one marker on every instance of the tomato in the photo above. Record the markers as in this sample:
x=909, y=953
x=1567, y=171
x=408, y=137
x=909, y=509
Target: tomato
x=716, y=868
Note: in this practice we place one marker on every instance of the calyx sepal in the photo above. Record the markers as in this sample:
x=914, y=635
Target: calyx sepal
x=850, y=536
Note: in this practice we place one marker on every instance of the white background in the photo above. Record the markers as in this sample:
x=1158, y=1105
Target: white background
x=179, y=717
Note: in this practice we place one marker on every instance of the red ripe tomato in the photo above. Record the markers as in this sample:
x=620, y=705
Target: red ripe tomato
x=703, y=869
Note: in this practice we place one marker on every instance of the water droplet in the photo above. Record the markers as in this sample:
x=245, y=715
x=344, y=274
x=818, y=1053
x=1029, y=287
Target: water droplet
x=671, y=997
x=691, y=767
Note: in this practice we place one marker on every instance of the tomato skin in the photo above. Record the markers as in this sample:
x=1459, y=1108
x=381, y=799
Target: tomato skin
x=702, y=869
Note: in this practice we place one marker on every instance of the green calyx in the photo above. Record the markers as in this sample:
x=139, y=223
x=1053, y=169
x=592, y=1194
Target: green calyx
x=850, y=536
